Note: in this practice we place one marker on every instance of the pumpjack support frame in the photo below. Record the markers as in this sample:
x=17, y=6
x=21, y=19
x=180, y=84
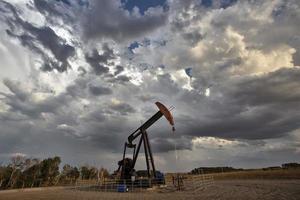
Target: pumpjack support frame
x=126, y=165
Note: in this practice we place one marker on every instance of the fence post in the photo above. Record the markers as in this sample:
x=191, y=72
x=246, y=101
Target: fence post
x=140, y=185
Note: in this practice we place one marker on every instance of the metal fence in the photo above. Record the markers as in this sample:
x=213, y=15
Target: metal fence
x=176, y=187
x=200, y=182
x=112, y=185
x=187, y=183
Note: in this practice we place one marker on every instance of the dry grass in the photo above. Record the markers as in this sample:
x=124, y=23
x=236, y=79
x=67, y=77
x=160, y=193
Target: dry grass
x=248, y=185
x=249, y=174
x=221, y=190
x=259, y=174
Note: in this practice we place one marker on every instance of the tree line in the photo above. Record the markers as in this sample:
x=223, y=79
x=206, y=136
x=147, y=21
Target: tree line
x=209, y=170
x=24, y=172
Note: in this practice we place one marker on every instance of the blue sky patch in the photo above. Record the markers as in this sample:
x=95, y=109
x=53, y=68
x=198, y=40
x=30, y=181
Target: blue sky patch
x=206, y=3
x=227, y=3
x=133, y=45
x=65, y=2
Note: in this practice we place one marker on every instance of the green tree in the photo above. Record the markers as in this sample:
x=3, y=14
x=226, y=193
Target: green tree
x=75, y=174
x=88, y=172
x=49, y=170
x=5, y=174
x=67, y=174
x=84, y=172
x=93, y=173
x=31, y=172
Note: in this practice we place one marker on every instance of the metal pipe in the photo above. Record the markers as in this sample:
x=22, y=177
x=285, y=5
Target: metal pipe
x=146, y=152
x=150, y=154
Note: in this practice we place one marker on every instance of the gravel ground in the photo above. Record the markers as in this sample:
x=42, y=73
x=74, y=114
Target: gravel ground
x=227, y=190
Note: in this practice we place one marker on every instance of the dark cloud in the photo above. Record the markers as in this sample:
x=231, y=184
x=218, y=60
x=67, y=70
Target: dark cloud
x=146, y=97
x=82, y=71
x=272, y=88
x=6, y=8
x=16, y=90
x=107, y=19
x=119, y=69
x=164, y=84
x=33, y=36
x=99, y=90
x=122, y=79
x=77, y=88
x=122, y=108
x=119, y=79
x=96, y=116
x=192, y=37
x=58, y=9
x=296, y=58
x=160, y=144
x=65, y=2
x=46, y=7
x=50, y=41
x=82, y=87
x=218, y=3
x=98, y=61
x=258, y=107
x=22, y=101
x=106, y=132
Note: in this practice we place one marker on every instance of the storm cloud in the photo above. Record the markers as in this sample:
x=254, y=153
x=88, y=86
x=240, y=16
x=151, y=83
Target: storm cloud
x=87, y=73
x=40, y=40
x=98, y=61
x=122, y=25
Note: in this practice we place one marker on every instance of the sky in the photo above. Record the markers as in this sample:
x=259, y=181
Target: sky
x=78, y=76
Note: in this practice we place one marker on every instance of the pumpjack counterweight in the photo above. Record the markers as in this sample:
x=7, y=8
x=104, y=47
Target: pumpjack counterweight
x=126, y=165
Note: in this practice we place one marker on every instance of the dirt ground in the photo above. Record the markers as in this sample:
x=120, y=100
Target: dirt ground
x=221, y=190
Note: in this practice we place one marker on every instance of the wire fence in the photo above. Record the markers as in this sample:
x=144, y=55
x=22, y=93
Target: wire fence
x=175, y=187
x=114, y=185
x=188, y=183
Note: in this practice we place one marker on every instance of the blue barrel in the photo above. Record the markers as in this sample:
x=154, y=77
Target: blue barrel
x=122, y=188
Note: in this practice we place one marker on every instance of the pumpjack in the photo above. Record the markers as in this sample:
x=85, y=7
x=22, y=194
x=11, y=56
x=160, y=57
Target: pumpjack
x=126, y=165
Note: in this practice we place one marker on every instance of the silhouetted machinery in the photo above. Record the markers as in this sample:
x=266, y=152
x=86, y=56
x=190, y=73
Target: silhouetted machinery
x=126, y=165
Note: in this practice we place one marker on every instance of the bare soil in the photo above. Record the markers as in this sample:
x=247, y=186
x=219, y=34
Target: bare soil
x=221, y=190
